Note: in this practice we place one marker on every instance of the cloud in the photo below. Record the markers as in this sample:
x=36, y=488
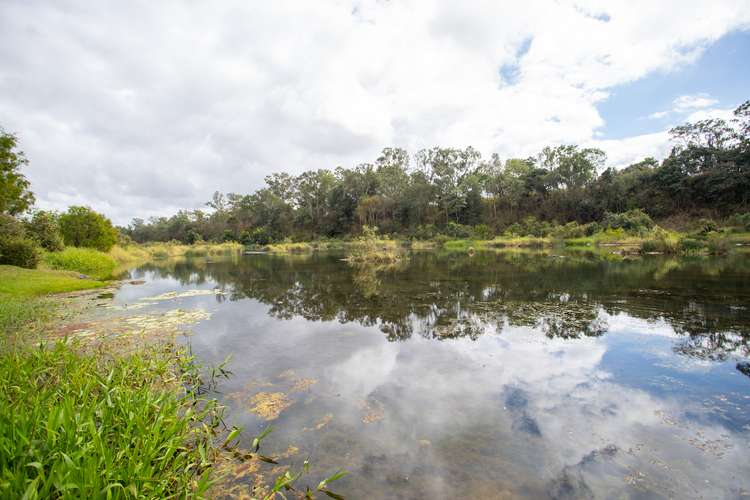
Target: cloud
x=686, y=104
x=141, y=108
x=691, y=102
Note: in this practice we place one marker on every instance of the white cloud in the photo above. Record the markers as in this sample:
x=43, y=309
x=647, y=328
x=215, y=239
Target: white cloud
x=691, y=102
x=142, y=108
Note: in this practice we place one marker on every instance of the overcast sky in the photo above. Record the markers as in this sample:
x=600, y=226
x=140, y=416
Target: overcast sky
x=142, y=108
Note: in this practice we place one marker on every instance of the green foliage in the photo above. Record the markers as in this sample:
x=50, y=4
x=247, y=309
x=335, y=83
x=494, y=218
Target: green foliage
x=718, y=245
x=15, y=196
x=458, y=231
x=456, y=189
x=96, y=427
x=258, y=236
x=83, y=260
x=21, y=252
x=633, y=221
x=570, y=230
x=741, y=221
x=691, y=245
x=530, y=226
x=707, y=226
x=482, y=232
x=45, y=230
x=661, y=244
x=425, y=232
x=83, y=227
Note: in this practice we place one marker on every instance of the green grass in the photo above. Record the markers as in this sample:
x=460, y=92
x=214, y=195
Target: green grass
x=21, y=295
x=83, y=426
x=22, y=283
x=83, y=260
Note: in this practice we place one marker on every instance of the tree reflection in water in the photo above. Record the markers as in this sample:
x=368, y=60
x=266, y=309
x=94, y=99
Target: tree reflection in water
x=448, y=296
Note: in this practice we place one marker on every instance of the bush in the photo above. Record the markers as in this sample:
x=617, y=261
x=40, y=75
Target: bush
x=258, y=236
x=483, y=232
x=83, y=260
x=569, y=230
x=633, y=221
x=459, y=231
x=661, y=245
x=425, y=232
x=741, y=221
x=82, y=227
x=592, y=228
x=193, y=236
x=707, y=226
x=689, y=245
x=440, y=240
x=21, y=252
x=45, y=230
x=718, y=245
x=10, y=227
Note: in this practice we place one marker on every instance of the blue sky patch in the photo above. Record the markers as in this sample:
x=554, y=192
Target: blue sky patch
x=722, y=72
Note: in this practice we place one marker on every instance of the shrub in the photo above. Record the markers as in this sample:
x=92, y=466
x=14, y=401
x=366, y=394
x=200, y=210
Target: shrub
x=592, y=228
x=455, y=230
x=440, y=240
x=707, y=226
x=569, y=230
x=718, y=245
x=258, y=236
x=45, y=230
x=21, y=252
x=483, y=232
x=660, y=245
x=10, y=227
x=83, y=260
x=193, y=236
x=82, y=227
x=633, y=221
x=741, y=221
x=689, y=245
x=425, y=232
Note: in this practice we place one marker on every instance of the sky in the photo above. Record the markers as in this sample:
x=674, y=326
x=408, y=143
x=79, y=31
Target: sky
x=142, y=108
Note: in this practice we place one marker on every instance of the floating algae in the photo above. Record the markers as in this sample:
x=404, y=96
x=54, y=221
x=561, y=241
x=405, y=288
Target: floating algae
x=180, y=295
x=373, y=411
x=303, y=384
x=320, y=423
x=269, y=405
x=171, y=319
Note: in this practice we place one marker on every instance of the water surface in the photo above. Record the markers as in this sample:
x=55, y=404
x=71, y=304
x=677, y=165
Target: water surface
x=500, y=375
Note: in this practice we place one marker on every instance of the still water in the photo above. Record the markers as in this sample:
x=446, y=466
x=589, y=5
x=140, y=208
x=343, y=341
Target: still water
x=499, y=375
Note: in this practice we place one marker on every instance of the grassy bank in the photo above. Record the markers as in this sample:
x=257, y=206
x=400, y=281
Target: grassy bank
x=23, y=295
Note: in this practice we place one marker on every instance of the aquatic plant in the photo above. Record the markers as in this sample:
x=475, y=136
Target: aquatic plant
x=91, y=426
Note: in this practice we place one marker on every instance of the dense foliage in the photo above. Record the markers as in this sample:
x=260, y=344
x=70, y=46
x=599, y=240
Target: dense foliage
x=15, y=197
x=458, y=193
x=78, y=426
x=83, y=227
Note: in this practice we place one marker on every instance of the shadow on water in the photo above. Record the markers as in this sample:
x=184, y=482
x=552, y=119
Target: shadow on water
x=492, y=376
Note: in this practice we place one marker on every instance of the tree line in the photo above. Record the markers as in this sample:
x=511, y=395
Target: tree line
x=441, y=190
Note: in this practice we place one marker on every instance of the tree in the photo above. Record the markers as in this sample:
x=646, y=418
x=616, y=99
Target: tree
x=15, y=196
x=83, y=227
x=45, y=230
x=570, y=167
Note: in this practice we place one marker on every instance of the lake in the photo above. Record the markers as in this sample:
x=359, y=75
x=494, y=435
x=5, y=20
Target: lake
x=497, y=375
